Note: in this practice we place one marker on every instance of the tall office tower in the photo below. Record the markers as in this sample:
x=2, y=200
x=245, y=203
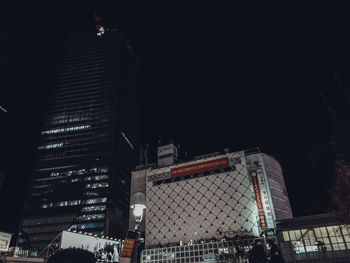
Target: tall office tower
x=88, y=144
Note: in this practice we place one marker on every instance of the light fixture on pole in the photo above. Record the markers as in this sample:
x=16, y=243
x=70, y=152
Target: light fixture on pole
x=138, y=205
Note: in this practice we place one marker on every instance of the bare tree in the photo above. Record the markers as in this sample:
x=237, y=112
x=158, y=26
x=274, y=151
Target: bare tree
x=341, y=192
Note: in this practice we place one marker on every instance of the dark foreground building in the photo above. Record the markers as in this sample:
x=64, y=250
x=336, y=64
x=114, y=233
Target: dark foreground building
x=88, y=143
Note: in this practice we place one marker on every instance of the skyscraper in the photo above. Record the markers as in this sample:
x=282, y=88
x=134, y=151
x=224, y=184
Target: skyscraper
x=88, y=143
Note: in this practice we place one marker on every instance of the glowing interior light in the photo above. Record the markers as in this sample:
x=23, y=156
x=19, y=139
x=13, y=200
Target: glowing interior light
x=101, y=30
x=138, y=210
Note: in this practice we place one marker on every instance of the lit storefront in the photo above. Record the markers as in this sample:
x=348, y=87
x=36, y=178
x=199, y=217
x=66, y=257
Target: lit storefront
x=224, y=251
x=314, y=238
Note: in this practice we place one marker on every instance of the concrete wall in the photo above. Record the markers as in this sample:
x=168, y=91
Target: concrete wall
x=278, y=188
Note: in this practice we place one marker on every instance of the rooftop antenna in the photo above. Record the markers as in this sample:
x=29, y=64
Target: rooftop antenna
x=144, y=154
x=100, y=29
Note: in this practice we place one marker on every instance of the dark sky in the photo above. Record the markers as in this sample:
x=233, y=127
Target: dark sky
x=215, y=74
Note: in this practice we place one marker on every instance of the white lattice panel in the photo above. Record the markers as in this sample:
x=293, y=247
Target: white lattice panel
x=194, y=208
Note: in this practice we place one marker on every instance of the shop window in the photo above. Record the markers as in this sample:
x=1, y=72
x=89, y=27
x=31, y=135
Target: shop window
x=285, y=236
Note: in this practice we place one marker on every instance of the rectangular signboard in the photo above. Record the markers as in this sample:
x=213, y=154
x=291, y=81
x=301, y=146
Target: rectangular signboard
x=200, y=167
x=262, y=218
x=265, y=207
x=128, y=248
x=105, y=250
x=265, y=199
x=5, y=239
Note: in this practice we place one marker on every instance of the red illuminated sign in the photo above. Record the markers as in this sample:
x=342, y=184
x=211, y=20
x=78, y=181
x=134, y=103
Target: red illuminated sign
x=200, y=167
x=128, y=248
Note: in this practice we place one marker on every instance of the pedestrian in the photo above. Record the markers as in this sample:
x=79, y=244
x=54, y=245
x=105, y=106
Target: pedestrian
x=258, y=254
x=275, y=252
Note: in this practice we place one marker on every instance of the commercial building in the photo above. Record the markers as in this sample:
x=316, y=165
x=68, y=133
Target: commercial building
x=214, y=197
x=316, y=238
x=88, y=144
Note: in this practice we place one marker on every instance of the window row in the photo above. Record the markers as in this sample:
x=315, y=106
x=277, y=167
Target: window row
x=62, y=203
x=50, y=146
x=87, y=226
x=96, y=185
x=34, y=221
x=90, y=217
x=96, y=200
x=42, y=237
x=80, y=171
x=330, y=238
x=45, y=228
x=69, y=147
x=67, y=129
x=94, y=208
x=195, y=247
x=96, y=178
x=68, y=120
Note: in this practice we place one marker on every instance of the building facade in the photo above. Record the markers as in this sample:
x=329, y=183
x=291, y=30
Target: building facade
x=316, y=238
x=88, y=143
x=210, y=198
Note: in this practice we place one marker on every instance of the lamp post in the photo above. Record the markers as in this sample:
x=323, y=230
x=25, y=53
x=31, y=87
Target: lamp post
x=138, y=206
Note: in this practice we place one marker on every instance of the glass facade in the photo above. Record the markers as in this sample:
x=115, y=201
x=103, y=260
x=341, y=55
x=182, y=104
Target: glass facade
x=81, y=177
x=316, y=243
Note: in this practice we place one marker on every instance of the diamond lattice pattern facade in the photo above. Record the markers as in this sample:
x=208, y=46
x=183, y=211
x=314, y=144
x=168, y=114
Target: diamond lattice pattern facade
x=208, y=197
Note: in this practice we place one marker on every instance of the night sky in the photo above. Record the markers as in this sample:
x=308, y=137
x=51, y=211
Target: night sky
x=215, y=74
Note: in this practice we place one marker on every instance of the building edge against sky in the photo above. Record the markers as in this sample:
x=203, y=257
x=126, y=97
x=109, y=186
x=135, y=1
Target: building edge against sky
x=88, y=144
x=230, y=192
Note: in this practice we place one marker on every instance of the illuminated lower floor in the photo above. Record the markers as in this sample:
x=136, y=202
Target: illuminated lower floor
x=317, y=238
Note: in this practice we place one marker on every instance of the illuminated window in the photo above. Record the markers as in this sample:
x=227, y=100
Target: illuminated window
x=94, y=208
x=91, y=225
x=51, y=146
x=91, y=217
x=47, y=205
x=62, y=203
x=285, y=236
x=67, y=129
x=336, y=237
x=96, y=200
x=96, y=178
x=74, y=202
x=81, y=172
x=96, y=185
x=91, y=193
x=54, y=174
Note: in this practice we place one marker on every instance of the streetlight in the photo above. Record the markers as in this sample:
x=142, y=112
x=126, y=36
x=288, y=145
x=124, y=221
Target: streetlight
x=138, y=205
